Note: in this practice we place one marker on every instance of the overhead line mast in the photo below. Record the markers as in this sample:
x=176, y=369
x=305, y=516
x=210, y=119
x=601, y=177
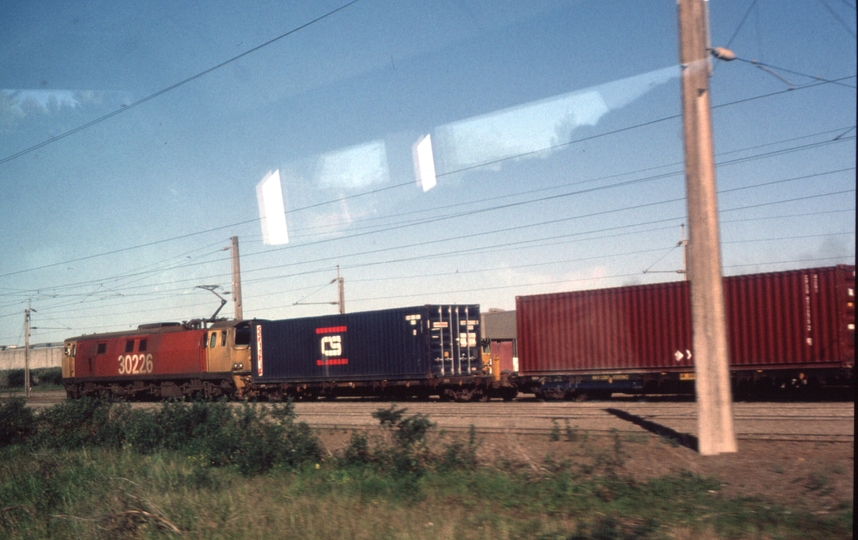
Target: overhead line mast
x=716, y=433
x=236, y=279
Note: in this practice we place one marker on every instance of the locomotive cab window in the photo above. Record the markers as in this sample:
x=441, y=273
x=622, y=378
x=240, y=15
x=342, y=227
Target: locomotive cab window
x=242, y=336
x=102, y=348
x=213, y=343
x=223, y=339
x=129, y=345
x=142, y=346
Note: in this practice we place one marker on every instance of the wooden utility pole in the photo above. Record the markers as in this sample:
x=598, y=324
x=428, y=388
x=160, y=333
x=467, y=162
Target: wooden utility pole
x=341, y=292
x=236, y=279
x=709, y=329
x=27, y=351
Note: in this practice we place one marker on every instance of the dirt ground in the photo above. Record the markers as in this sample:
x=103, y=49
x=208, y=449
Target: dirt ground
x=812, y=476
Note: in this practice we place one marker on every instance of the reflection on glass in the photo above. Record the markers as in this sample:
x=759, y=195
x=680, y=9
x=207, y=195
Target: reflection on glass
x=424, y=163
x=354, y=167
x=269, y=196
x=536, y=126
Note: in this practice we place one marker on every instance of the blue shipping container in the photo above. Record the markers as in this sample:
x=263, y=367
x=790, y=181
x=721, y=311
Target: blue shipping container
x=394, y=344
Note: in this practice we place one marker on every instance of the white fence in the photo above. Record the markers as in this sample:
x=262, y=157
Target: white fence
x=41, y=356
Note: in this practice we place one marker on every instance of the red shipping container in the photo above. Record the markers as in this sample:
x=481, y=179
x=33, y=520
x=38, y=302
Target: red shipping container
x=793, y=319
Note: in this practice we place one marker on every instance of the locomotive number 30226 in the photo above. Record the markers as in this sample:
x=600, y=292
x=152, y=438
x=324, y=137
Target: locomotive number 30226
x=135, y=364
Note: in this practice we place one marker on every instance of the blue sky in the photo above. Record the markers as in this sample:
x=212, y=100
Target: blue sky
x=555, y=128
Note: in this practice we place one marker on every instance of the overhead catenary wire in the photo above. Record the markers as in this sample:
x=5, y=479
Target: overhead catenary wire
x=495, y=248
x=678, y=217
x=579, y=217
x=554, y=239
x=836, y=16
x=532, y=225
x=773, y=69
x=567, y=281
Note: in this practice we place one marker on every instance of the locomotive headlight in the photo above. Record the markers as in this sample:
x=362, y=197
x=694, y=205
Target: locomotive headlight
x=238, y=366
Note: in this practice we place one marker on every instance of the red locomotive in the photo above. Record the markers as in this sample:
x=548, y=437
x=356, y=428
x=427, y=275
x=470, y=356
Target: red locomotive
x=161, y=360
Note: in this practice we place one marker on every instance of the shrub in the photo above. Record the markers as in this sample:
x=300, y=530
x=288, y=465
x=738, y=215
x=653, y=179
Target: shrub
x=14, y=378
x=53, y=376
x=408, y=452
x=256, y=439
x=404, y=450
x=357, y=453
x=250, y=437
x=17, y=422
x=408, y=430
x=82, y=422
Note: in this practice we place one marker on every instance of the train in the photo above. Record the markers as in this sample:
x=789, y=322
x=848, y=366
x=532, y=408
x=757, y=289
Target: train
x=791, y=330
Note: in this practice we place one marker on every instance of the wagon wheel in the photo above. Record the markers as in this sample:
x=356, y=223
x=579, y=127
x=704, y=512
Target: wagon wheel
x=464, y=395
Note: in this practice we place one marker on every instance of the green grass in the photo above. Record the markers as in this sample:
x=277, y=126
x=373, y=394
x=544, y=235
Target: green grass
x=99, y=493
x=93, y=470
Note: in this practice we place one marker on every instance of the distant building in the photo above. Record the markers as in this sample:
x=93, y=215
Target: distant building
x=499, y=337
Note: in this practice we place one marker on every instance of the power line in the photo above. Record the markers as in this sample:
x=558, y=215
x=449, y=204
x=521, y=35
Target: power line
x=450, y=216
x=741, y=23
x=768, y=68
x=614, y=255
x=122, y=250
x=562, y=281
x=470, y=250
x=838, y=18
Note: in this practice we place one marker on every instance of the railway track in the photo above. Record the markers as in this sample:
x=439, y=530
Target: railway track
x=800, y=422
x=805, y=422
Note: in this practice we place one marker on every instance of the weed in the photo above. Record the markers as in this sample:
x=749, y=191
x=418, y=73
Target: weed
x=818, y=481
x=671, y=441
x=554, y=435
x=618, y=444
x=571, y=433
x=461, y=455
x=636, y=438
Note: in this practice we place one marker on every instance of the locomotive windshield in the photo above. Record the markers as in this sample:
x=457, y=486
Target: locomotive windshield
x=242, y=335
